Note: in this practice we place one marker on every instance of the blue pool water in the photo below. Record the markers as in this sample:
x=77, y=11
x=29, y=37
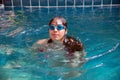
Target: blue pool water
x=98, y=28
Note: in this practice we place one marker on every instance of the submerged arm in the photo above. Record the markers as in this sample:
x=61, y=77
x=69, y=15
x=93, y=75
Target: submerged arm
x=78, y=59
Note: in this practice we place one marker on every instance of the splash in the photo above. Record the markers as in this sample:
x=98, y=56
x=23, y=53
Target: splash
x=100, y=55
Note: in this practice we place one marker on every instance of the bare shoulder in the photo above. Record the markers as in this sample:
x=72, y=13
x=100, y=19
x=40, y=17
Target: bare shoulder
x=42, y=41
x=38, y=44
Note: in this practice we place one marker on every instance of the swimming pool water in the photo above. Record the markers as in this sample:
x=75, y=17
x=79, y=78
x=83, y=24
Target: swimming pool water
x=98, y=28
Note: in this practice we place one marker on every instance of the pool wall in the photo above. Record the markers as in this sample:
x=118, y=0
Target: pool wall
x=60, y=3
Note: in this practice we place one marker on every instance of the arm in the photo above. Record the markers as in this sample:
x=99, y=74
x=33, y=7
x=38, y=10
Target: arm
x=78, y=59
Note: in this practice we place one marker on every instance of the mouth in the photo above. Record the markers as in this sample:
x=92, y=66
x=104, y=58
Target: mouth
x=55, y=35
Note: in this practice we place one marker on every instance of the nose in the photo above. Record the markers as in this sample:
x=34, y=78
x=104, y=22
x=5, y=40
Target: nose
x=55, y=29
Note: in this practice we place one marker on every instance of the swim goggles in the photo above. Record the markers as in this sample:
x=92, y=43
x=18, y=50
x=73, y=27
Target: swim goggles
x=59, y=27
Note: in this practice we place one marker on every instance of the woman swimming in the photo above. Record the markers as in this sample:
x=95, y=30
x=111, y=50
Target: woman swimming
x=73, y=49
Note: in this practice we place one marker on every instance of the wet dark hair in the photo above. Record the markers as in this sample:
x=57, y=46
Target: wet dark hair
x=71, y=44
x=64, y=22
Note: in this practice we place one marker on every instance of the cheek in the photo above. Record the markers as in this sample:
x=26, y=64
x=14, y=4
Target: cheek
x=62, y=33
x=50, y=33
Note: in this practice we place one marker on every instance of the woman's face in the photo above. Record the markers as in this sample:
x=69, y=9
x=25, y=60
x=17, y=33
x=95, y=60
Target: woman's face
x=56, y=34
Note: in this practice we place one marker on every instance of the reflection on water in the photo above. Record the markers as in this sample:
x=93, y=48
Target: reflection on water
x=6, y=20
x=51, y=63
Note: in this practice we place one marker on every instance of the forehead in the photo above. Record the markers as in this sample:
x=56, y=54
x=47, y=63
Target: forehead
x=56, y=22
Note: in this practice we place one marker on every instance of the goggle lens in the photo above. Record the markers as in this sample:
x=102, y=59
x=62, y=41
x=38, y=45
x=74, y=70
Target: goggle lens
x=59, y=27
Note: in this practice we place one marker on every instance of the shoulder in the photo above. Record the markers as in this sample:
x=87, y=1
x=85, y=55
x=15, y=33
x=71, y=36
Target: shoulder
x=37, y=45
x=42, y=41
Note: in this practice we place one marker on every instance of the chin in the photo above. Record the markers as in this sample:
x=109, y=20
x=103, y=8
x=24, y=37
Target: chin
x=56, y=39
